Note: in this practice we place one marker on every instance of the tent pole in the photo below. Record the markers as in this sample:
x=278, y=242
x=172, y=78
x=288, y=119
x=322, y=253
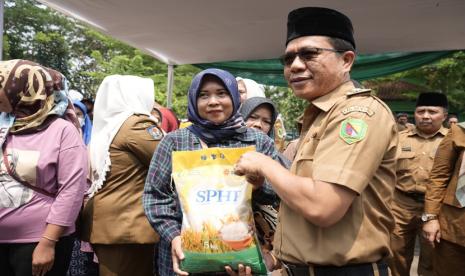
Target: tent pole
x=169, y=96
x=1, y=28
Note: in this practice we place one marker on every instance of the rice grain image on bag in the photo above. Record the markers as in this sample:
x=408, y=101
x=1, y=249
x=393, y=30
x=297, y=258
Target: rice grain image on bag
x=217, y=225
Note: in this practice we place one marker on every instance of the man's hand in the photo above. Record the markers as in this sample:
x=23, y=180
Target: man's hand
x=242, y=271
x=432, y=231
x=250, y=165
x=43, y=257
x=177, y=255
x=270, y=261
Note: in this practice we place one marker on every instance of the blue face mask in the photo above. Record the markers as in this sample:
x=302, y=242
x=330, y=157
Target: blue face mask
x=81, y=121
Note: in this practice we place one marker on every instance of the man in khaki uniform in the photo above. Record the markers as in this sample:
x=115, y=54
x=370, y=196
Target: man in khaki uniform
x=402, y=122
x=444, y=205
x=453, y=120
x=335, y=216
x=417, y=149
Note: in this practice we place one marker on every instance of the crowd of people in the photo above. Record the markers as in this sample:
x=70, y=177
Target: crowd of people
x=87, y=188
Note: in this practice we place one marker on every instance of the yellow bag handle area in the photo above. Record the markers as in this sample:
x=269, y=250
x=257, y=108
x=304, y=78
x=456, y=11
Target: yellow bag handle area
x=187, y=160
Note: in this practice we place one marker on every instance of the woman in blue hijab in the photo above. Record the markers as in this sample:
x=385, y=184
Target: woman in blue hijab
x=213, y=104
x=84, y=120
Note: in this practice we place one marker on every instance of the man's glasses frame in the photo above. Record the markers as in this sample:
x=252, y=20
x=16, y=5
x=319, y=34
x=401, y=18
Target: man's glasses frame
x=305, y=54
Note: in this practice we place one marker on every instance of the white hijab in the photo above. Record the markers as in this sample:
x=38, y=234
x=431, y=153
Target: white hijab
x=118, y=97
x=253, y=88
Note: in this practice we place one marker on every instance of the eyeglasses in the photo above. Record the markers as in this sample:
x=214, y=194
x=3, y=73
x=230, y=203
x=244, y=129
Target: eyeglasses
x=305, y=54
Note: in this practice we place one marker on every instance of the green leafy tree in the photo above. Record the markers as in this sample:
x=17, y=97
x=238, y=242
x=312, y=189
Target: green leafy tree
x=85, y=56
x=51, y=50
x=446, y=75
x=34, y=32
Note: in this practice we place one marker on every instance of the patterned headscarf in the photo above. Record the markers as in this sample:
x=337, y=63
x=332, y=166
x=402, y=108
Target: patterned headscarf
x=36, y=94
x=206, y=130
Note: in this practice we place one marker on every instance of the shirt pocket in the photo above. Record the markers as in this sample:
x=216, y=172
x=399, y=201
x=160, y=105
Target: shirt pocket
x=405, y=161
x=305, y=156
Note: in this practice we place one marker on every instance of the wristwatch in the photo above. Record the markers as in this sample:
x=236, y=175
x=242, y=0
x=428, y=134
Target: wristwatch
x=428, y=217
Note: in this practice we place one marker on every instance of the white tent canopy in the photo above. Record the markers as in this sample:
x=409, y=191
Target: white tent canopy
x=202, y=31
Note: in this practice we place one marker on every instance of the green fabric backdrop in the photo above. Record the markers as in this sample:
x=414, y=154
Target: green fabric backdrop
x=270, y=71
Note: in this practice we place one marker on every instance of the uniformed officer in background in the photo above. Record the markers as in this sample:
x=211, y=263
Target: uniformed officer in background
x=418, y=146
x=335, y=216
x=445, y=205
x=402, y=122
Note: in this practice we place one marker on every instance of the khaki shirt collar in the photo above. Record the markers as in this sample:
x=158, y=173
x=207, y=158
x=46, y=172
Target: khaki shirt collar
x=327, y=101
x=414, y=131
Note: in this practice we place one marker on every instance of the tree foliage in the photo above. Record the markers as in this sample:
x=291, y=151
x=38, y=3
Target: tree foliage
x=288, y=105
x=85, y=56
x=446, y=75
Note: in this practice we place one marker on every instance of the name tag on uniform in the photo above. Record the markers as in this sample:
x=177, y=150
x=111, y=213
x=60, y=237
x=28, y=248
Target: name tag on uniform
x=408, y=148
x=357, y=108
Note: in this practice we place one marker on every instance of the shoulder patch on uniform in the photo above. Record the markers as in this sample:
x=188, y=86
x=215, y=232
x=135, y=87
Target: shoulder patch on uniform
x=356, y=91
x=155, y=132
x=358, y=108
x=353, y=130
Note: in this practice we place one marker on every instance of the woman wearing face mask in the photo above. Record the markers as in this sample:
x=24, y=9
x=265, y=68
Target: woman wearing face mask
x=82, y=259
x=213, y=105
x=84, y=121
x=43, y=170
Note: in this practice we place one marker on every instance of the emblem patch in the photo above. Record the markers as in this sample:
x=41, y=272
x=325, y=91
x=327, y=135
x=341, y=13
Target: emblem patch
x=155, y=132
x=353, y=130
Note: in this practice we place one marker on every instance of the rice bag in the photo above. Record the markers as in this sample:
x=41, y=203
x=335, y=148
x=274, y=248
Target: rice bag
x=217, y=225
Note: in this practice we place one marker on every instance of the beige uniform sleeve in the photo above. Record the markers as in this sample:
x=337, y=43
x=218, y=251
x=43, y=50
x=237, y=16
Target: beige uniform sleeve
x=143, y=140
x=353, y=164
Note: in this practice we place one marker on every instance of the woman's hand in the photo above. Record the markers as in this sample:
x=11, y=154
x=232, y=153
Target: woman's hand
x=242, y=271
x=43, y=257
x=177, y=255
x=432, y=232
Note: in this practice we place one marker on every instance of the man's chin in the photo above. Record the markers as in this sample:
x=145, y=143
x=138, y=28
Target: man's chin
x=428, y=130
x=304, y=94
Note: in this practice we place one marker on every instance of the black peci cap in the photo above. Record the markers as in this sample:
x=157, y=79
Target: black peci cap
x=432, y=99
x=319, y=21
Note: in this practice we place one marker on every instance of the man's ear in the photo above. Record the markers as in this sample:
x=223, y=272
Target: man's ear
x=349, y=58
